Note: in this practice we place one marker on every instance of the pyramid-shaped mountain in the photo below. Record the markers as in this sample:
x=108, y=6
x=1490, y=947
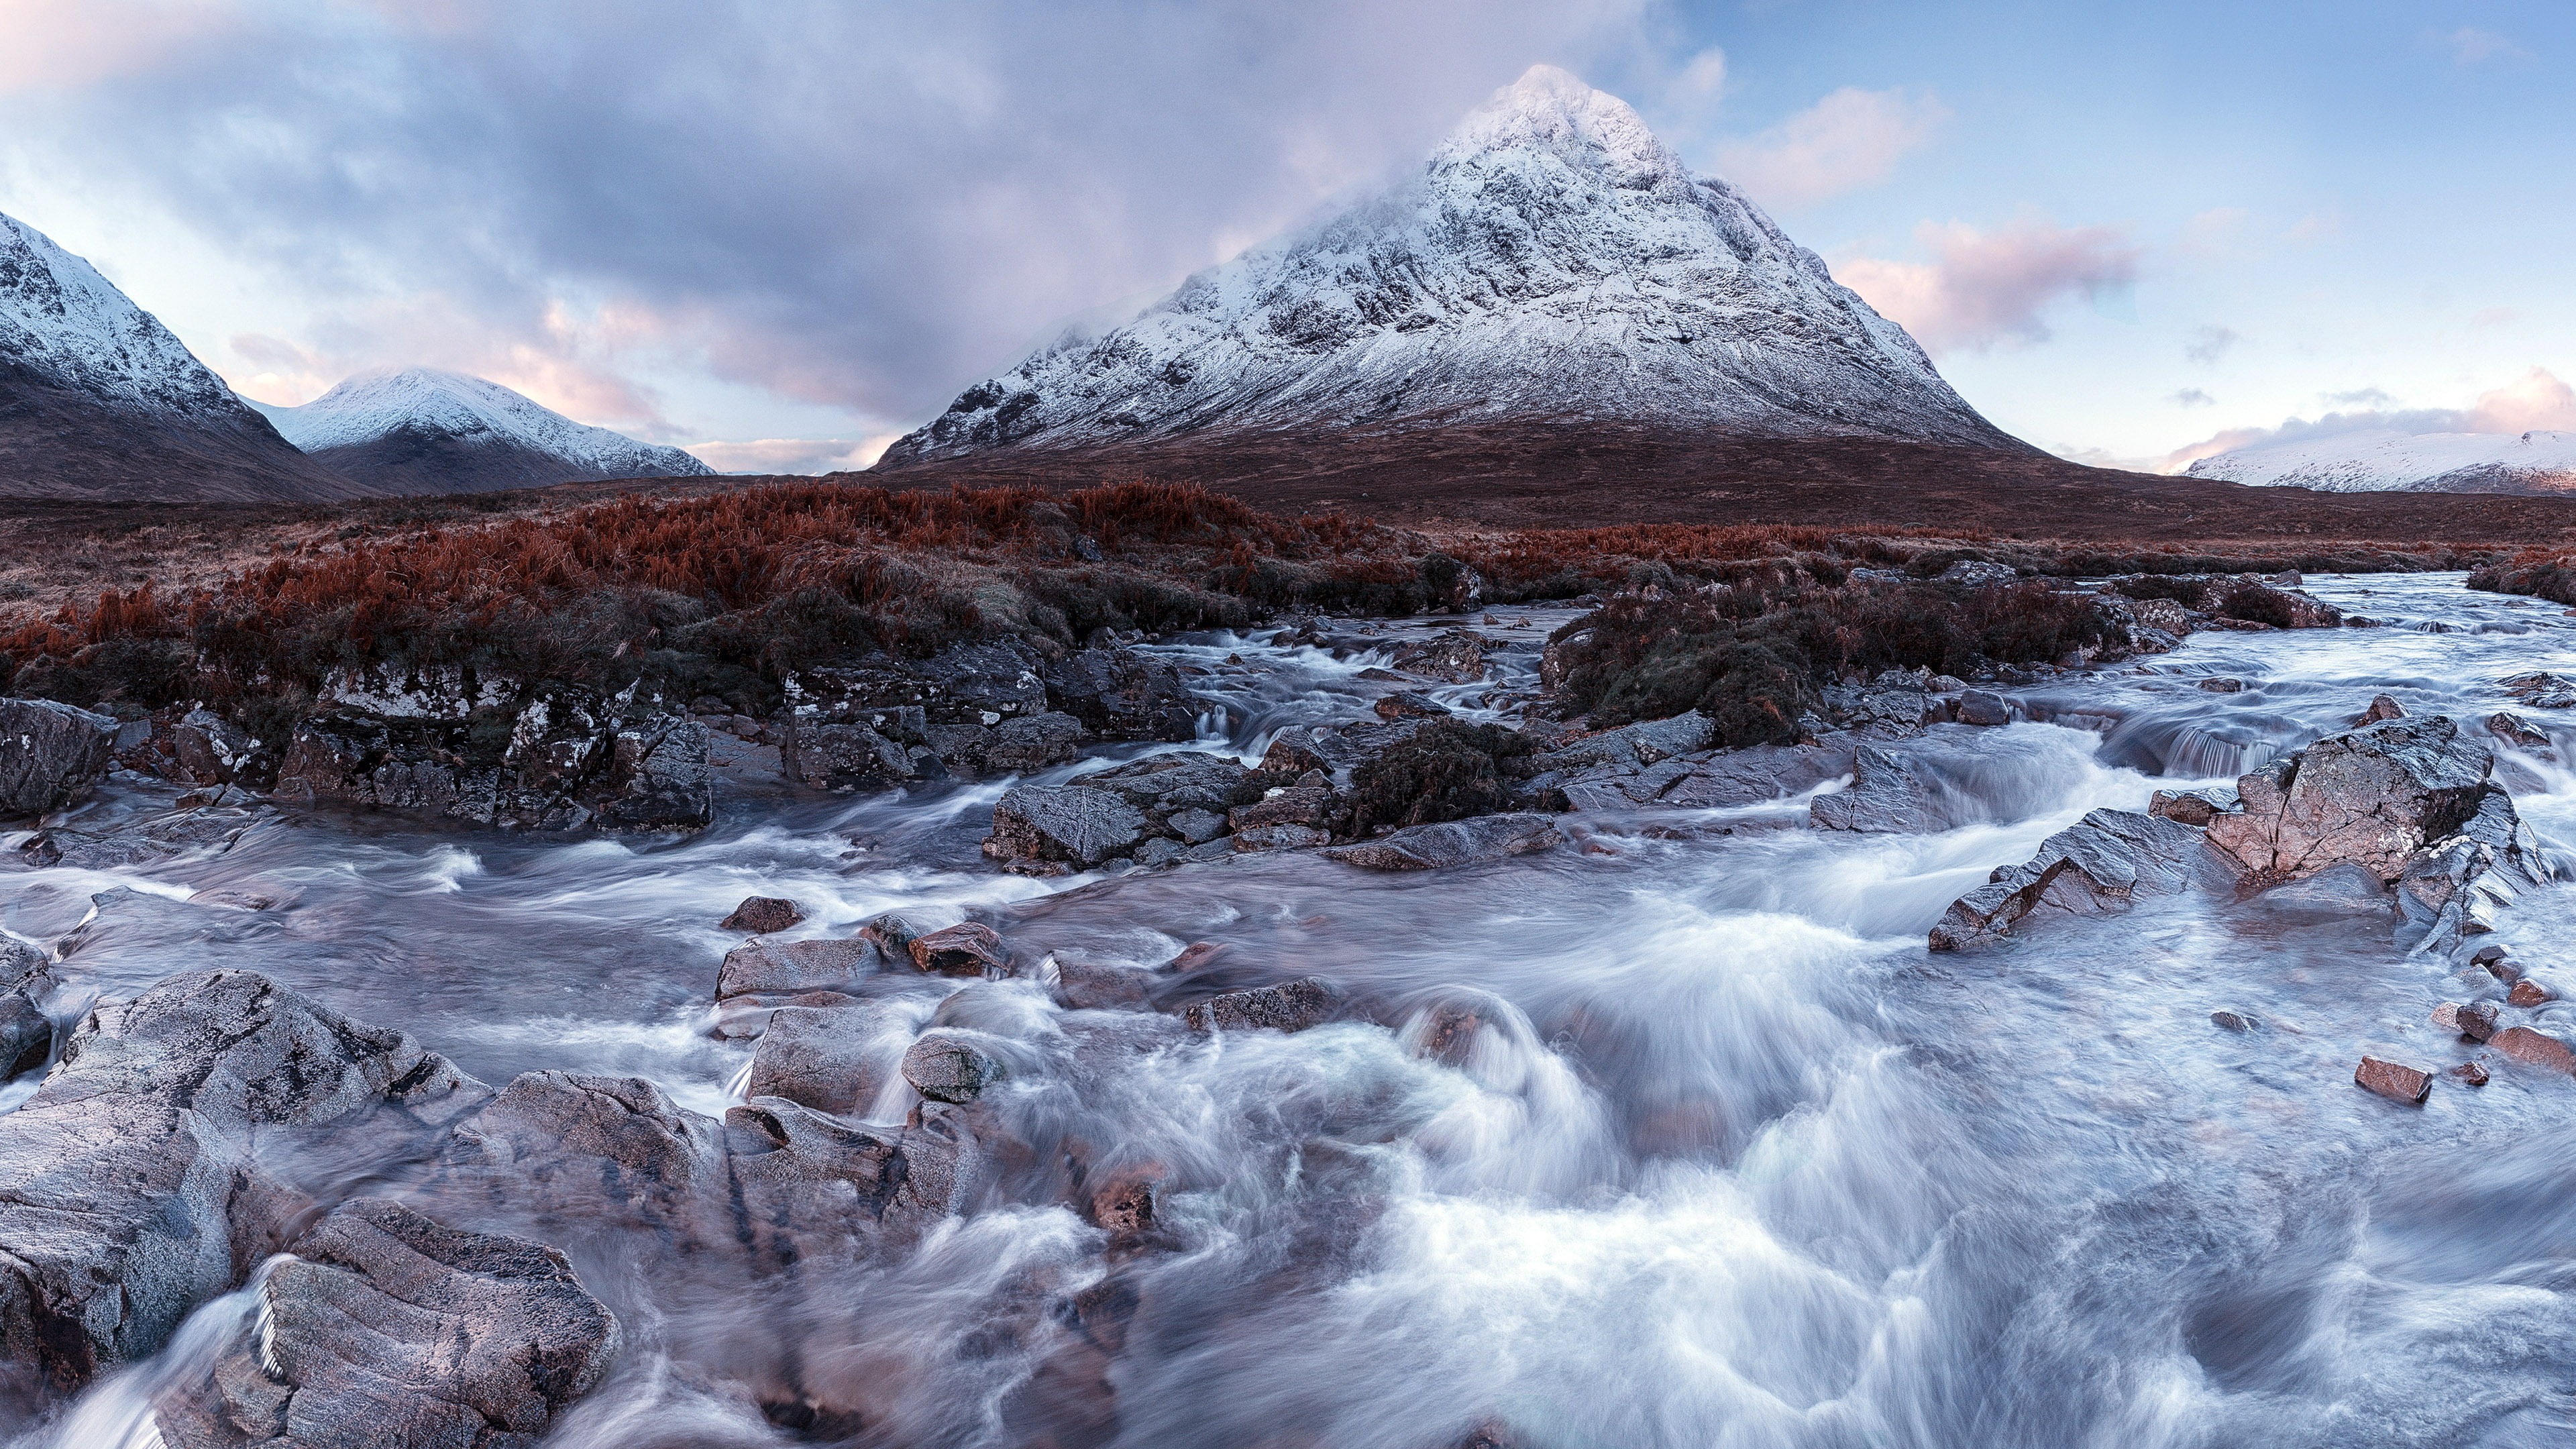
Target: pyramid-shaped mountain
x=1552, y=262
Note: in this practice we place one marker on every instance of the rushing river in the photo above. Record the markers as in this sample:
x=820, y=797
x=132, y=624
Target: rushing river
x=1732, y=1160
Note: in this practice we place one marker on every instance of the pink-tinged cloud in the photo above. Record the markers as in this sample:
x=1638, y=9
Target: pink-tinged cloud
x=792, y=455
x=46, y=46
x=2537, y=400
x=1985, y=289
x=1850, y=139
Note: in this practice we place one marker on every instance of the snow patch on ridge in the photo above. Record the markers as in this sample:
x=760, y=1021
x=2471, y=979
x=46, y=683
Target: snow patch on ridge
x=2386, y=459
x=1552, y=260
x=375, y=405
x=73, y=329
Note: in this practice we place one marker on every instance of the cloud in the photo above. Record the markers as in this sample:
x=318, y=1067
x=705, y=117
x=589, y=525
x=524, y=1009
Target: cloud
x=793, y=455
x=2471, y=46
x=56, y=47
x=1985, y=289
x=2536, y=400
x=860, y=203
x=1850, y=139
x=2362, y=397
x=2208, y=344
x=1703, y=79
x=2191, y=397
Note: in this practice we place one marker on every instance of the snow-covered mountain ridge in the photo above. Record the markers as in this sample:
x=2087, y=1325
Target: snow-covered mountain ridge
x=1552, y=260
x=64, y=322
x=433, y=405
x=2385, y=459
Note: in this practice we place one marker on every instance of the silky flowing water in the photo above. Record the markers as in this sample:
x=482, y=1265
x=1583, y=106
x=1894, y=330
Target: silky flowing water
x=1733, y=1159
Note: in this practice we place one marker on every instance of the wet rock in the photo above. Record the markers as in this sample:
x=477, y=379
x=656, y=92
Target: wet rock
x=2454, y=887
x=1122, y=1200
x=1290, y=757
x=2476, y=1020
x=840, y=757
x=2471, y=1073
x=1457, y=842
x=1288, y=1006
x=1256, y=839
x=2343, y=887
x=968, y=948
x=387, y=1329
x=1293, y=805
x=2223, y=685
x=24, y=966
x=2393, y=1080
x=1456, y=657
x=744, y=1018
x=26, y=1035
x=658, y=779
x=2270, y=605
x=1015, y=746
x=1637, y=745
x=50, y=754
x=972, y=684
x=1194, y=956
x=949, y=1065
x=1123, y=695
x=1885, y=797
x=1197, y=827
x=1074, y=824
x=2496, y=962
x=576, y=1152
x=2541, y=690
x=832, y=1059
x=2104, y=863
x=1893, y=706
x=2514, y=730
x=891, y=934
x=2381, y=707
x=2232, y=1021
x=1088, y=986
x=2371, y=798
x=786, y=967
x=1408, y=704
x=2187, y=807
x=1749, y=776
x=129, y=1193
x=2527, y=992
x=1984, y=707
x=208, y=749
x=2533, y=1049
x=762, y=915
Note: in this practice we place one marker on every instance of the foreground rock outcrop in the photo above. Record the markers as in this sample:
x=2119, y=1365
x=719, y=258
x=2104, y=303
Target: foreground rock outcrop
x=386, y=1329
x=50, y=754
x=132, y=1185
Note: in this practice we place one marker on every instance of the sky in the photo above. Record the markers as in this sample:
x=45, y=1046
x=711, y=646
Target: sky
x=782, y=232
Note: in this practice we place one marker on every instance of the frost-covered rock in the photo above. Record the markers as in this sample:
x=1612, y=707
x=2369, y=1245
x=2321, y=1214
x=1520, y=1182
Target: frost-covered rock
x=1552, y=259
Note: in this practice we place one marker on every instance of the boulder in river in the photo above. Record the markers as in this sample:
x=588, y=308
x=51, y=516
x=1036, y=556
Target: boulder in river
x=2381, y=707
x=1288, y=1006
x=948, y=1065
x=1123, y=695
x=2534, y=1049
x=832, y=1058
x=968, y=948
x=783, y=968
x=387, y=1329
x=762, y=915
x=1885, y=796
x=2372, y=797
x=1073, y=824
x=2394, y=1080
x=2105, y=862
x=129, y=1187
x=50, y=754
x=1456, y=842
x=1455, y=657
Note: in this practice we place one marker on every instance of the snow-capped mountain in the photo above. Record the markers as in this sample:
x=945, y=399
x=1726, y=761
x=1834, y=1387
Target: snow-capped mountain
x=1552, y=261
x=420, y=430
x=98, y=400
x=2386, y=459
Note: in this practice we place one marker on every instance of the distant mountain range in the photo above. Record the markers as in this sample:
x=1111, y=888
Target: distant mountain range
x=2375, y=460
x=1551, y=262
x=99, y=401
x=420, y=430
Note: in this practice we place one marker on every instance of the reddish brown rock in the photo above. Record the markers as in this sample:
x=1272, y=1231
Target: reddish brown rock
x=2381, y=707
x=2471, y=1073
x=761, y=915
x=2531, y=1048
x=1193, y=956
x=2476, y=1021
x=2393, y=1080
x=2527, y=992
x=965, y=949
x=1123, y=1202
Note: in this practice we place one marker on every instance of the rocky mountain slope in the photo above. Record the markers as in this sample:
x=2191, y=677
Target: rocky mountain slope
x=2386, y=459
x=420, y=430
x=1552, y=261
x=99, y=401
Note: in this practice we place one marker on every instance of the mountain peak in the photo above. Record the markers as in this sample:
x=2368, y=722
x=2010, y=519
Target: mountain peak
x=1552, y=261
x=428, y=430
x=1551, y=110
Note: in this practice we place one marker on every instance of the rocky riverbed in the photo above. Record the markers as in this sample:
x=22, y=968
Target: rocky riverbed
x=1117, y=1048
